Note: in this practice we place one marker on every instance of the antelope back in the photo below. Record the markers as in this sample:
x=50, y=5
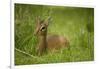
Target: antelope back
x=56, y=42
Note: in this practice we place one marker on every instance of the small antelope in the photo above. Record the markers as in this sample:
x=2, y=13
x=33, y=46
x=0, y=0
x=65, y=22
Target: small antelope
x=48, y=42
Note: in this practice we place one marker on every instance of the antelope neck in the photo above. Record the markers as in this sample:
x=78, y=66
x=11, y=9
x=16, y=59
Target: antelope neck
x=42, y=40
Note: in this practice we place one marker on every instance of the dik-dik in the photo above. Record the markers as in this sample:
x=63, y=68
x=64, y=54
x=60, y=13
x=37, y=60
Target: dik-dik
x=46, y=41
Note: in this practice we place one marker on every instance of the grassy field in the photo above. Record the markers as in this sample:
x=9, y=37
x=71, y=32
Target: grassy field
x=76, y=24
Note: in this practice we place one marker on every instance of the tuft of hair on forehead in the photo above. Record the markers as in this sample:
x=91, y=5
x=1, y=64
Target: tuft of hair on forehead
x=43, y=21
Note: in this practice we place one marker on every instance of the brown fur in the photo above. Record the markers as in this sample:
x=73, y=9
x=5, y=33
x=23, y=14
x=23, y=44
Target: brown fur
x=56, y=42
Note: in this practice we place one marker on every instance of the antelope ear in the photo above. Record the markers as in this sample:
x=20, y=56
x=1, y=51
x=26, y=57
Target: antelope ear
x=38, y=20
x=47, y=20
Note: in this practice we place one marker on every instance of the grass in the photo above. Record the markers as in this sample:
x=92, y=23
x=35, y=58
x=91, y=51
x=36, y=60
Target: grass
x=76, y=24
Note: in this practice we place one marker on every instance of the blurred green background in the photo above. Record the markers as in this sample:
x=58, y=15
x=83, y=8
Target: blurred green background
x=75, y=23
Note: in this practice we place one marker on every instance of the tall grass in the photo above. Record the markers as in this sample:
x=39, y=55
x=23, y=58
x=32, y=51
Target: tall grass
x=76, y=24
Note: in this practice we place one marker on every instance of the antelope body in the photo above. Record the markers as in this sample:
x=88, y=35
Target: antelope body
x=48, y=42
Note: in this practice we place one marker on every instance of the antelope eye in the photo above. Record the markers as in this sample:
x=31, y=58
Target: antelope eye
x=43, y=27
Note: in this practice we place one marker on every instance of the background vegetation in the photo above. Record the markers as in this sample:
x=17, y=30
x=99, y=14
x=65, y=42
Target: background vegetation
x=75, y=23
